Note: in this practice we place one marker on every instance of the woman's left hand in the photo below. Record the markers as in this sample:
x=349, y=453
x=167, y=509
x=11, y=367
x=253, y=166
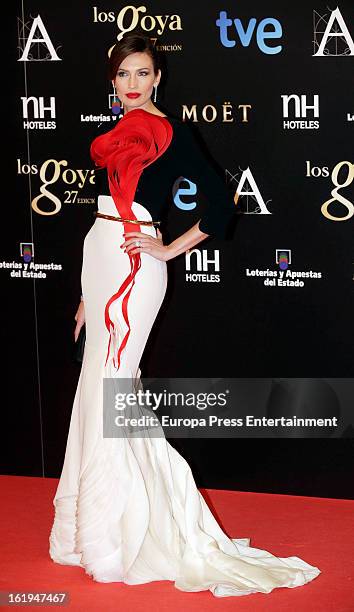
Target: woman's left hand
x=149, y=244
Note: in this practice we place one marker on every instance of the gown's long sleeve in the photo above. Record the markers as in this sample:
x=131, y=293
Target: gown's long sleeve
x=220, y=205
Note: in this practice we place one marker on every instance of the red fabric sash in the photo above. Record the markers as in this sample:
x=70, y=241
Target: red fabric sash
x=138, y=139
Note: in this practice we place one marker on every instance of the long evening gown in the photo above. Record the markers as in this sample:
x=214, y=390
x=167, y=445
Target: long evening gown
x=128, y=509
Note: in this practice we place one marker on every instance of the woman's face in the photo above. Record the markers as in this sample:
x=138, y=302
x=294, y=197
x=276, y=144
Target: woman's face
x=136, y=75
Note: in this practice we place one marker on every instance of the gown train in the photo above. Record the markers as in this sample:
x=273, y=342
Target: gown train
x=128, y=509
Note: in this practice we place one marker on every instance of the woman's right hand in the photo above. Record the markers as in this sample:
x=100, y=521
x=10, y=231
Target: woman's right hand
x=80, y=319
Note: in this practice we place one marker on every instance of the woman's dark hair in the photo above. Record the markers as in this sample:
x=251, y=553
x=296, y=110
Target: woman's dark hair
x=132, y=42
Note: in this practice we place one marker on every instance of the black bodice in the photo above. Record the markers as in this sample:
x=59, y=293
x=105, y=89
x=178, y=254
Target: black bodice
x=159, y=185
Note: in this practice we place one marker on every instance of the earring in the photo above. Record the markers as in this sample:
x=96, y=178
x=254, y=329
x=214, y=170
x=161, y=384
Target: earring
x=116, y=105
x=155, y=94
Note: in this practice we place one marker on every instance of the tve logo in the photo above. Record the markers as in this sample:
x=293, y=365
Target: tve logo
x=245, y=35
x=179, y=191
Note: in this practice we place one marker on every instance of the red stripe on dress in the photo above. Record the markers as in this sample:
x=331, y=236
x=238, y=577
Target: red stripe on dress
x=136, y=141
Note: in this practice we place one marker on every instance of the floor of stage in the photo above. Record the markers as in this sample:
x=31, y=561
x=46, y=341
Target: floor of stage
x=319, y=530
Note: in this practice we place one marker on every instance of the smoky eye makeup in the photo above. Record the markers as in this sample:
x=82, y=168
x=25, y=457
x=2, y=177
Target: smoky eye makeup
x=140, y=73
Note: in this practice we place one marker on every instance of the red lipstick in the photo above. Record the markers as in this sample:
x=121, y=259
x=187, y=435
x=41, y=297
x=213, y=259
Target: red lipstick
x=133, y=95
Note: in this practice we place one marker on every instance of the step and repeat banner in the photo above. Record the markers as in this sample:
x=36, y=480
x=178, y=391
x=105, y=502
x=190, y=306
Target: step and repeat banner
x=268, y=88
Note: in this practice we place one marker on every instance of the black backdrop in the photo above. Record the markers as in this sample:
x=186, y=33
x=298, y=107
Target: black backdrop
x=235, y=96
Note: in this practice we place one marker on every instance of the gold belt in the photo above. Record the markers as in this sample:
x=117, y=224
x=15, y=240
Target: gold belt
x=136, y=221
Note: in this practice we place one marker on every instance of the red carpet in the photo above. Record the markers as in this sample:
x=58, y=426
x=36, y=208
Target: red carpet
x=318, y=530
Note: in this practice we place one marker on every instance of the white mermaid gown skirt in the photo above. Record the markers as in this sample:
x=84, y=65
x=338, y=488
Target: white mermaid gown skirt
x=128, y=509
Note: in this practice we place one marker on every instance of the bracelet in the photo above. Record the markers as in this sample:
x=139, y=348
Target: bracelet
x=81, y=299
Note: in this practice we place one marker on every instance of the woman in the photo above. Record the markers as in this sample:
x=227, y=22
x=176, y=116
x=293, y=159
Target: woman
x=128, y=509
